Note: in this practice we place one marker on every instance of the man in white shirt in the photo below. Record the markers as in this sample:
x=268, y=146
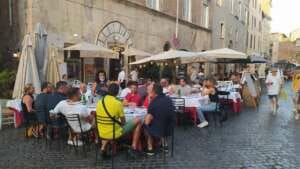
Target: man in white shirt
x=73, y=106
x=85, y=92
x=122, y=78
x=183, y=89
x=134, y=75
x=274, y=83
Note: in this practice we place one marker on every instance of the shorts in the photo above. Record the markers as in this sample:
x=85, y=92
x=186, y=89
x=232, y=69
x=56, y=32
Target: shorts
x=128, y=127
x=273, y=96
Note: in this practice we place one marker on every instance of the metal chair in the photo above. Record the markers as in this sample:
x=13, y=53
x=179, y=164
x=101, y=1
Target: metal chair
x=182, y=116
x=103, y=120
x=6, y=119
x=84, y=135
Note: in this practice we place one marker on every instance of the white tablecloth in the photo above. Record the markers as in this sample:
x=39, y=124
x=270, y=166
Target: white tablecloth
x=15, y=104
x=130, y=113
x=195, y=101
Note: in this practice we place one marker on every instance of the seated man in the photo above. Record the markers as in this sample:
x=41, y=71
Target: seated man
x=41, y=105
x=183, y=88
x=85, y=93
x=160, y=120
x=73, y=106
x=132, y=98
x=113, y=108
x=165, y=85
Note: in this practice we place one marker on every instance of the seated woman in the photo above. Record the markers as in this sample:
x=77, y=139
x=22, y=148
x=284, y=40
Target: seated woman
x=28, y=111
x=132, y=98
x=209, y=101
x=172, y=91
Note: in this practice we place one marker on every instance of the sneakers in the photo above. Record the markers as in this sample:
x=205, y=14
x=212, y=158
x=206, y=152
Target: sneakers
x=203, y=124
x=77, y=143
x=150, y=152
x=297, y=116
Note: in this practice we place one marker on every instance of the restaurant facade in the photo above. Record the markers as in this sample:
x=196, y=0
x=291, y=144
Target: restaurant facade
x=142, y=24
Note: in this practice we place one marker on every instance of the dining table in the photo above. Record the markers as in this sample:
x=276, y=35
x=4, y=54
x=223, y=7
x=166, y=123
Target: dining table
x=130, y=112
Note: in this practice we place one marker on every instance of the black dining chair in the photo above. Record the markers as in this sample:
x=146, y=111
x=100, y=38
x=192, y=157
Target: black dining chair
x=103, y=120
x=74, y=119
x=179, y=104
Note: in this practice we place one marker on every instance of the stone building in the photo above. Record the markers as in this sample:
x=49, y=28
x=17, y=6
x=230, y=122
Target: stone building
x=295, y=34
x=266, y=27
x=282, y=48
x=142, y=24
x=255, y=31
x=229, y=27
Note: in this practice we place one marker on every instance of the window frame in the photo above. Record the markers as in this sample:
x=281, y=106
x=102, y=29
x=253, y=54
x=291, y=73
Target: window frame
x=187, y=17
x=205, y=14
x=153, y=4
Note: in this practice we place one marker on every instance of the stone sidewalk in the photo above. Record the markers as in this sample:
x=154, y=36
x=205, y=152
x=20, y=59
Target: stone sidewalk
x=255, y=139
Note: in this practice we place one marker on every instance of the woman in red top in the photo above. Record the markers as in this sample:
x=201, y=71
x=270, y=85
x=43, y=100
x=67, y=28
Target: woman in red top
x=148, y=99
x=133, y=98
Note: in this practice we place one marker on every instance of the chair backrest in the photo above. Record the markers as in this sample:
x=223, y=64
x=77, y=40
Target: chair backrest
x=73, y=119
x=104, y=120
x=179, y=104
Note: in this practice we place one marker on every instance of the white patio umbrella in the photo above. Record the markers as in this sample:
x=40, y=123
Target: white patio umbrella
x=135, y=52
x=171, y=54
x=224, y=53
x=88, y=47
x=52, y=75
x=40, y=49
x=27, y=69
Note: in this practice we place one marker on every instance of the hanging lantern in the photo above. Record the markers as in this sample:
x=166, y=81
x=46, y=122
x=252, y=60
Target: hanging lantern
x=151, y=63
x=141, y=66
x=175, y=61
x=166, y=64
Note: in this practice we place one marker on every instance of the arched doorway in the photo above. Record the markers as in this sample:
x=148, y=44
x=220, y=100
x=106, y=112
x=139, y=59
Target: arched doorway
x=116, y=36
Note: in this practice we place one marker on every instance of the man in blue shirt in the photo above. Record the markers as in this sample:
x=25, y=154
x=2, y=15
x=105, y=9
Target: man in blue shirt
x=160, y=120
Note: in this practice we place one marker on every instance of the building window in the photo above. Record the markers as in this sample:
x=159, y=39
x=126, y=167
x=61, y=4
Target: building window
x=240, y=10
x=187, y=10
x=219, y=2
x=246, y=16
x=154, y=4
x=205, y=15
x=232, y=6
x=222, y=31
x=251, y=39
x=254, y=43
x=236, y=35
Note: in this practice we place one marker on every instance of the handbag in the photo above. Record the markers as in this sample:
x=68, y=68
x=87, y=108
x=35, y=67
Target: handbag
x=107, y=113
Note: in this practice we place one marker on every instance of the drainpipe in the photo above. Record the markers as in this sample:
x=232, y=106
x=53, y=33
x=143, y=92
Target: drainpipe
x=177, y=13
x=10, y=12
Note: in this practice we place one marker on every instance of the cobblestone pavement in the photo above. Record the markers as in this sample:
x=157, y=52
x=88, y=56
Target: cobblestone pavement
x=252, y=140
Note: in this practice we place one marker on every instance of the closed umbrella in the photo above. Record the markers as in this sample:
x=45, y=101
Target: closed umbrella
x=27, y=69
x=40, y=49
x=52, y=75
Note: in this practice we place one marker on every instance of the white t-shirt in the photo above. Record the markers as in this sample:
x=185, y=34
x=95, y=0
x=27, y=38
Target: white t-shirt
x=66, y=107
x=121, y=76
x=124, y=92
x=134, y=75
x=274, y=88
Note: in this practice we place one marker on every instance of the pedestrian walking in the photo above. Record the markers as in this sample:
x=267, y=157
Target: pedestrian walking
x=274, y=84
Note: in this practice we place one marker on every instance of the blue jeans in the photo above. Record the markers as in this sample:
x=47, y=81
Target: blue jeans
x=204, y=108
